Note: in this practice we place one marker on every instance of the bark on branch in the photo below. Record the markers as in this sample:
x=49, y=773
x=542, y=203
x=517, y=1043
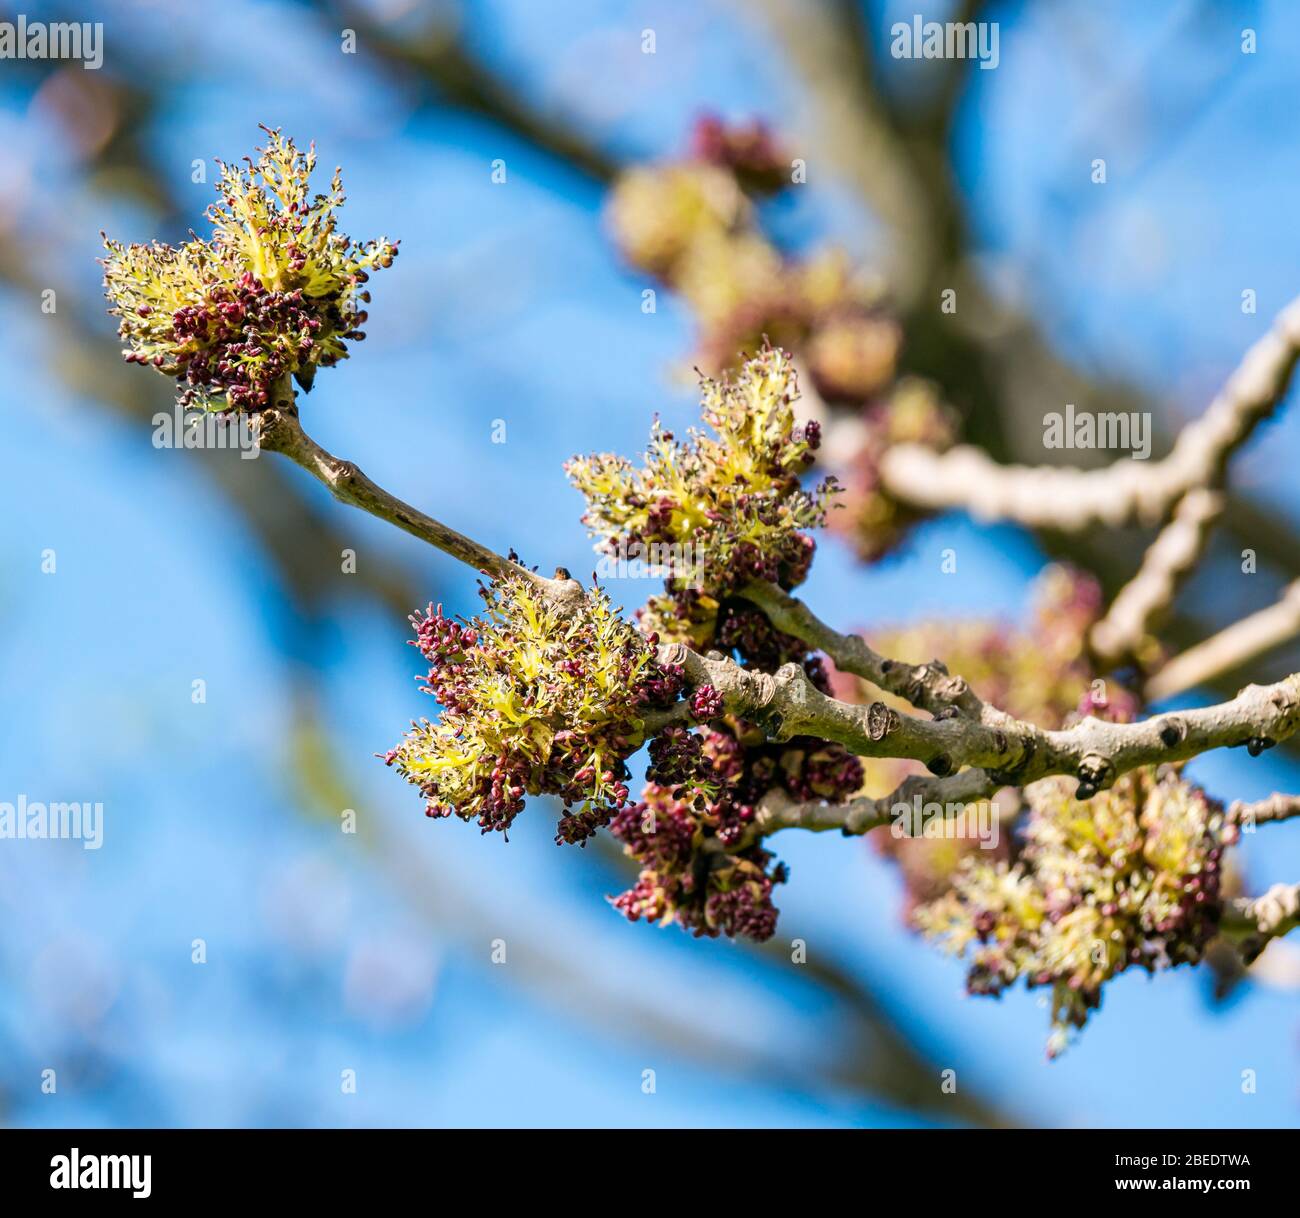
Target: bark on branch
x=1169, y=560
x=1232, y=647
x=971, y=748
x=1254, y=922
x=1125, y=492
x=1002, y=750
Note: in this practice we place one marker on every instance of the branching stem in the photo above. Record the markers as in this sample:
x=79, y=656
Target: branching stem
x=971, y=748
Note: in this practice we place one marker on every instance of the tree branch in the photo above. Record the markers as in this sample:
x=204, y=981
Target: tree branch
x=436, y=54
x=1127, y=491
x=1253, y=922
x=1012, y=752
x=1232, y=647
x=778, y=811
x=1265, y=811
x=280, y=430
x=926, y=686
x=1000, y=750
x=1169, y=560
x=849, y=124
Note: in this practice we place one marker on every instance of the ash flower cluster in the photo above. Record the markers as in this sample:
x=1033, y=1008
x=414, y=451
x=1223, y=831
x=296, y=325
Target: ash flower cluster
x=748, y=150
x=732, y=495
x=689, y=832
x=1131, y=878
x=535, y=700
x=692, y=224
x=276, y=290
x=1041, y=673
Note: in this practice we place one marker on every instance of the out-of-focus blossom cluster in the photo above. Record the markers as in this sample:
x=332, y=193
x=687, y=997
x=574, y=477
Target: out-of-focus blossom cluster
x=726, y=504
x=1129, y=878
x=1041, y=673
x=277, y=290
x=694, y=224
x=748, y=150
x=535, y=700
x=875, y=521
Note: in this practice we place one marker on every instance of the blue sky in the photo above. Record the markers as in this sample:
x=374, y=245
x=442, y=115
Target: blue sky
x=327, y=953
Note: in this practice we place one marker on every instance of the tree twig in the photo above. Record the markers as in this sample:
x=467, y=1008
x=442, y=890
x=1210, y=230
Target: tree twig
x=1168, y=561
x=1232, y=647
x=778, y=811
x=1000, y=750
x=280, y=430
x=926, y=686
x=1268, y=811
x=1253, y=922
x=1074, y=500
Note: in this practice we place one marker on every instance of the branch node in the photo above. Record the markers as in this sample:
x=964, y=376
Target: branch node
x=766, y=685
x=1095, y=773
x=673, y=653
x=881, y=720
x=1173, y=732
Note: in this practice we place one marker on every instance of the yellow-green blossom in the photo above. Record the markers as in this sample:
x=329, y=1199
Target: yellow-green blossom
x=725, y=504
x=276, y=289
x=535, y=699
x=1129, y=877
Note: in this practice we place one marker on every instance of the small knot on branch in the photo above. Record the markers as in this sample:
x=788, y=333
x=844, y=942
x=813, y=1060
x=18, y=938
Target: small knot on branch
x=1095, y=773
x=673, y=653
x=1279, y=905
x=881, y=720
x=1172, y=732
x=344, y=471
x=765, y=685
